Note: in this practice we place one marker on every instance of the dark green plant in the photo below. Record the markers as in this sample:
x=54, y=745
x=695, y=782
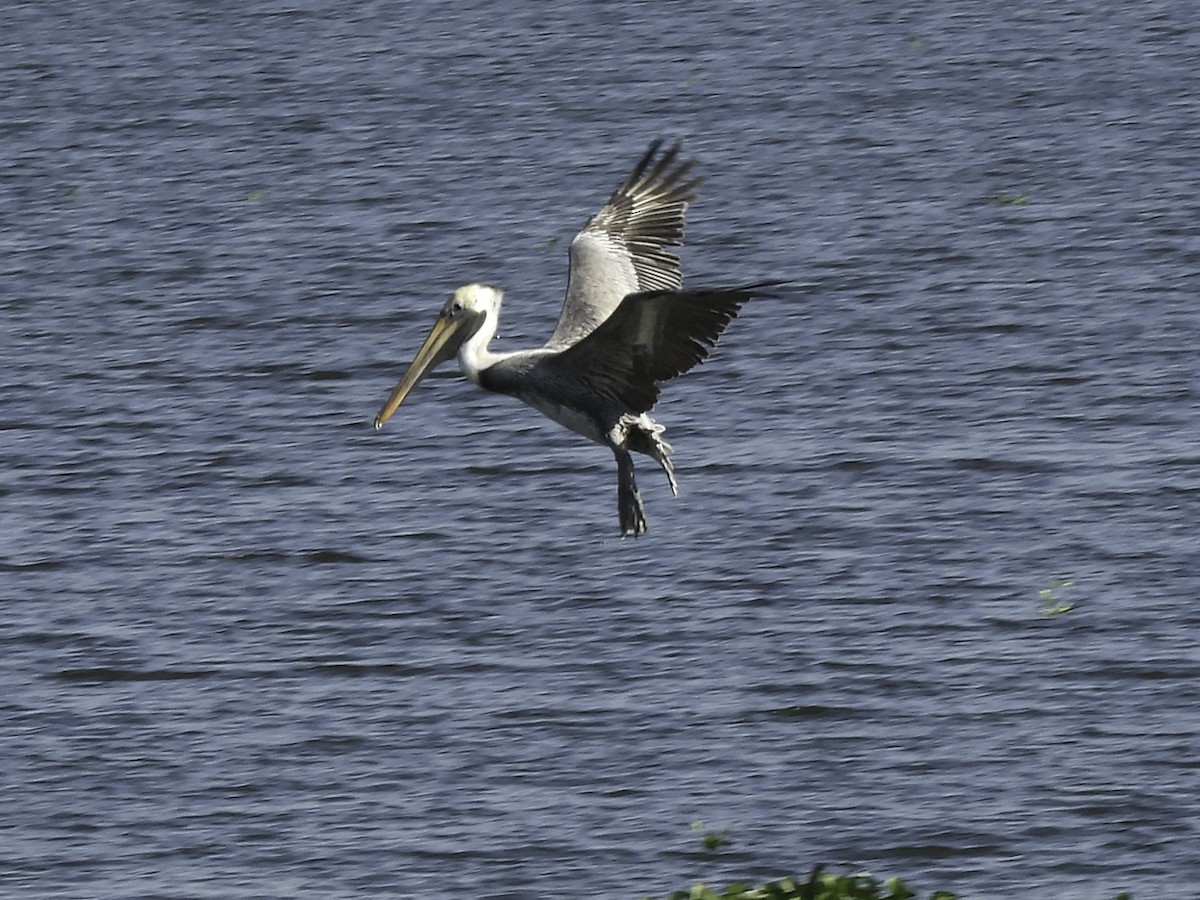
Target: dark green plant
x=712, y=840
x=820, y=885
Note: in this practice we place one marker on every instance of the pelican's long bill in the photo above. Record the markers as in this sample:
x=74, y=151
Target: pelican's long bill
x=443, y=342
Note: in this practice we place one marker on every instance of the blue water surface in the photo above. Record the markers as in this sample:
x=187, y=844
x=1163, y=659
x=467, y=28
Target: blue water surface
x=926, y=604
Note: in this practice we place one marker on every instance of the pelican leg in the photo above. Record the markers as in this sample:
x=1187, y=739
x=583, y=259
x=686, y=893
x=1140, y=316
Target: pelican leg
x=629, y=501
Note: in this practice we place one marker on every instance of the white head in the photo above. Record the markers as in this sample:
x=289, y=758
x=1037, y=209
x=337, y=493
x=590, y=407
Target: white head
x=480, y=298
x=470, y=315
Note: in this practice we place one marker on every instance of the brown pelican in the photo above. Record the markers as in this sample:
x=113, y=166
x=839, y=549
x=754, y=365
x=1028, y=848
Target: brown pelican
x=626, y=326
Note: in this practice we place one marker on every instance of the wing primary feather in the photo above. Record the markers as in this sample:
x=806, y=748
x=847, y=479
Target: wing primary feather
x=623, y=248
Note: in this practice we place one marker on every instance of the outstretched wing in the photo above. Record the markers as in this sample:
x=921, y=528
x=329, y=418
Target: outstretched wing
x=621, y=250
x=651, y=337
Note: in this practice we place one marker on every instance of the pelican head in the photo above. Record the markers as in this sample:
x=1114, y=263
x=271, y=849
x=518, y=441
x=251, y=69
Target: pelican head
x=461, y=319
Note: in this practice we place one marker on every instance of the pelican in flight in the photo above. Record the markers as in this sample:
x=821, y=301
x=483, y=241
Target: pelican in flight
x=626, y=326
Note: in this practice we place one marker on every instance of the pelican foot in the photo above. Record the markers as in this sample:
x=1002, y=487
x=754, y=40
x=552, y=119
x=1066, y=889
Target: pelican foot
x=633, y=515
x=644, y=435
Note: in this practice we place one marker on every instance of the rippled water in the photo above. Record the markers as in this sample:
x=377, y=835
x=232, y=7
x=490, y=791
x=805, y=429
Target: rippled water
x=252, y=648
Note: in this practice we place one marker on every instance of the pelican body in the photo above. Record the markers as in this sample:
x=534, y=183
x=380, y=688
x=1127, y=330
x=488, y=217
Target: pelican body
x=626, y=326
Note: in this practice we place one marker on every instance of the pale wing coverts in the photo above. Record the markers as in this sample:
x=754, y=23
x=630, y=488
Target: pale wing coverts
x=622, y=249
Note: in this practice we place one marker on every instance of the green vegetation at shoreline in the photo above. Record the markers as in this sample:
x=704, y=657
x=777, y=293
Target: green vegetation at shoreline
x=820, y=885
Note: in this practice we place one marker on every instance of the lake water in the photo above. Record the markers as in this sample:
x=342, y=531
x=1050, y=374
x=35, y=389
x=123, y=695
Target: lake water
x=253, y=649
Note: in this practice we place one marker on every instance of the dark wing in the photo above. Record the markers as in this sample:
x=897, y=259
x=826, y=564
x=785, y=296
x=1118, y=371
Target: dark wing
x=650, y=338
x=621, y=250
